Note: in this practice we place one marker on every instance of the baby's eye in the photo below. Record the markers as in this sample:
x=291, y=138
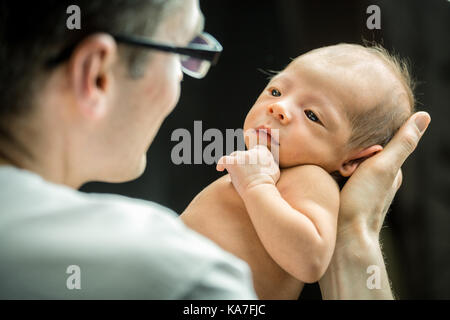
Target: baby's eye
x=312, y=116
x=275, y=93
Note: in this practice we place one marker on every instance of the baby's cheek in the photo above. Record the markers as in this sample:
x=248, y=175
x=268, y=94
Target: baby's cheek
x=293, y=156
x=249, y=119
x=253, y=115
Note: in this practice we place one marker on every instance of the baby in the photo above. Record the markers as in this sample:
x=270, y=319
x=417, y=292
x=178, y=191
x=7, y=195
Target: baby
x=333, y=107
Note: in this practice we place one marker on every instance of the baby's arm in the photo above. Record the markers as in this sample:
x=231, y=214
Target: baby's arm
x=295, y=220
x=305, y=223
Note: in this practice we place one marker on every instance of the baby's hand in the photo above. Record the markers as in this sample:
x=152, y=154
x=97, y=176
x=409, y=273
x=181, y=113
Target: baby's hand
x=250, y=168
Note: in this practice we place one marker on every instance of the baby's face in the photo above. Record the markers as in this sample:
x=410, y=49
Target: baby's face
x=307, y=103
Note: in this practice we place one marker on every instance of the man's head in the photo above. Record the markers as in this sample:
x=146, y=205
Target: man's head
x=94, y=115
x=335, y=106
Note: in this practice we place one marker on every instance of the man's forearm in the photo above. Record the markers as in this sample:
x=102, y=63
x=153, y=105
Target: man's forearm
x=357, y=271
x=364, y=201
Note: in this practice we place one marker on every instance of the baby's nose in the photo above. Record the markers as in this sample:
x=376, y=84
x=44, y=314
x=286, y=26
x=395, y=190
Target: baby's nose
x=279, y=112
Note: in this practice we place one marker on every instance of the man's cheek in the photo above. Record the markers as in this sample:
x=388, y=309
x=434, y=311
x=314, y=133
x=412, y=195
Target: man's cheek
x=171, y=95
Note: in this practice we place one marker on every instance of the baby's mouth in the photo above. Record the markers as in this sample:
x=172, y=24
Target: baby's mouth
x=265, y=134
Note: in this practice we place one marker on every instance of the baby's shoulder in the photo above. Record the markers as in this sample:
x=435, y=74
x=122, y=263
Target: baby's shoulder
x=308, y=181
x=220, y=189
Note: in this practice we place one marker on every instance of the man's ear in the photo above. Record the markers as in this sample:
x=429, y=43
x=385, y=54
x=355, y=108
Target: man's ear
x=90, y=72
x=349, y=166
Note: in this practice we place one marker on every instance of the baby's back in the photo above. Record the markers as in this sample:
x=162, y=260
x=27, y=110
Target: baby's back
x=219, y=213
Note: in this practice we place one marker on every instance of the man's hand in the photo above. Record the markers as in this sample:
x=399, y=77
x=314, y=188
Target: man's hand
x=364, y=202
x=368, y=193
x=250, y=168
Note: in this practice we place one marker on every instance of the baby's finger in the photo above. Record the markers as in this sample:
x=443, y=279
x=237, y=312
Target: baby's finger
x=220, y=167
x=221, y=164
x=226, y=161
x=261, y=146
x=251, y=138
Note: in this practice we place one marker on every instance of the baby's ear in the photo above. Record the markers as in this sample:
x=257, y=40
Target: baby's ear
x=350, y=165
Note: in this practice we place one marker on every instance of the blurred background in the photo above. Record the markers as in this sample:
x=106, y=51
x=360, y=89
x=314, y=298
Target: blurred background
x=265, y=34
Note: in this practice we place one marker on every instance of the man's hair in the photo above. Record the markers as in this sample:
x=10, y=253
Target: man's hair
x=32, y=32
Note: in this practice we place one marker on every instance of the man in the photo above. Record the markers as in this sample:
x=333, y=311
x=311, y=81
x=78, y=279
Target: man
x=84, y=105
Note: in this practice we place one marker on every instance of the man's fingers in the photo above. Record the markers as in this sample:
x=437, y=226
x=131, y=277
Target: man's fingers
x=405, y=140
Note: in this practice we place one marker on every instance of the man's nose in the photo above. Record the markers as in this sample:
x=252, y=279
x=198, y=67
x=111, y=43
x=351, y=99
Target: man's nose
x=279, y=112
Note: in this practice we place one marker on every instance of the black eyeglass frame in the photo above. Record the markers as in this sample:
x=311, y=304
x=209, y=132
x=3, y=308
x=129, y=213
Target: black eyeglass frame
x=194, y=50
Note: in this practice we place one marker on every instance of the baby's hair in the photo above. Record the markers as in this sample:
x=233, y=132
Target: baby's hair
x=379, y=125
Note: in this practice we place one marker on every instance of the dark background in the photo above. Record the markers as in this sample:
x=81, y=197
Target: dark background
x=266, y=34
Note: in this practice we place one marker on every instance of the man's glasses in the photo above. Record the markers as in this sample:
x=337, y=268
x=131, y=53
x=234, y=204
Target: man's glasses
x=196, y=59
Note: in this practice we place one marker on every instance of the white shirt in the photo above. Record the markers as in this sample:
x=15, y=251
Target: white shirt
x=118, y=247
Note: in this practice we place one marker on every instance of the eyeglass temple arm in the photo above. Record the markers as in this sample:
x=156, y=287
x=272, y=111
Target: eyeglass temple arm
x=192, y=51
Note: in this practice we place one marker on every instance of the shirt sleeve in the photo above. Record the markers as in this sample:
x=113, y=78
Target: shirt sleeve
x=223, y=281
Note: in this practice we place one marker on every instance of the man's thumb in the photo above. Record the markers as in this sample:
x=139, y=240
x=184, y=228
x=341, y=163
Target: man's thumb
x=407, y=138
x=422, y=120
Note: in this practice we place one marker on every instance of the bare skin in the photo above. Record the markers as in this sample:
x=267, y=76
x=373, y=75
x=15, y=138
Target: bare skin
x=219, y=213
x=287, y=233
x=90, y=108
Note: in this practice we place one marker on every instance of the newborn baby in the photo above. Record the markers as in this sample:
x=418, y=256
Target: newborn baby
x=333, y=107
